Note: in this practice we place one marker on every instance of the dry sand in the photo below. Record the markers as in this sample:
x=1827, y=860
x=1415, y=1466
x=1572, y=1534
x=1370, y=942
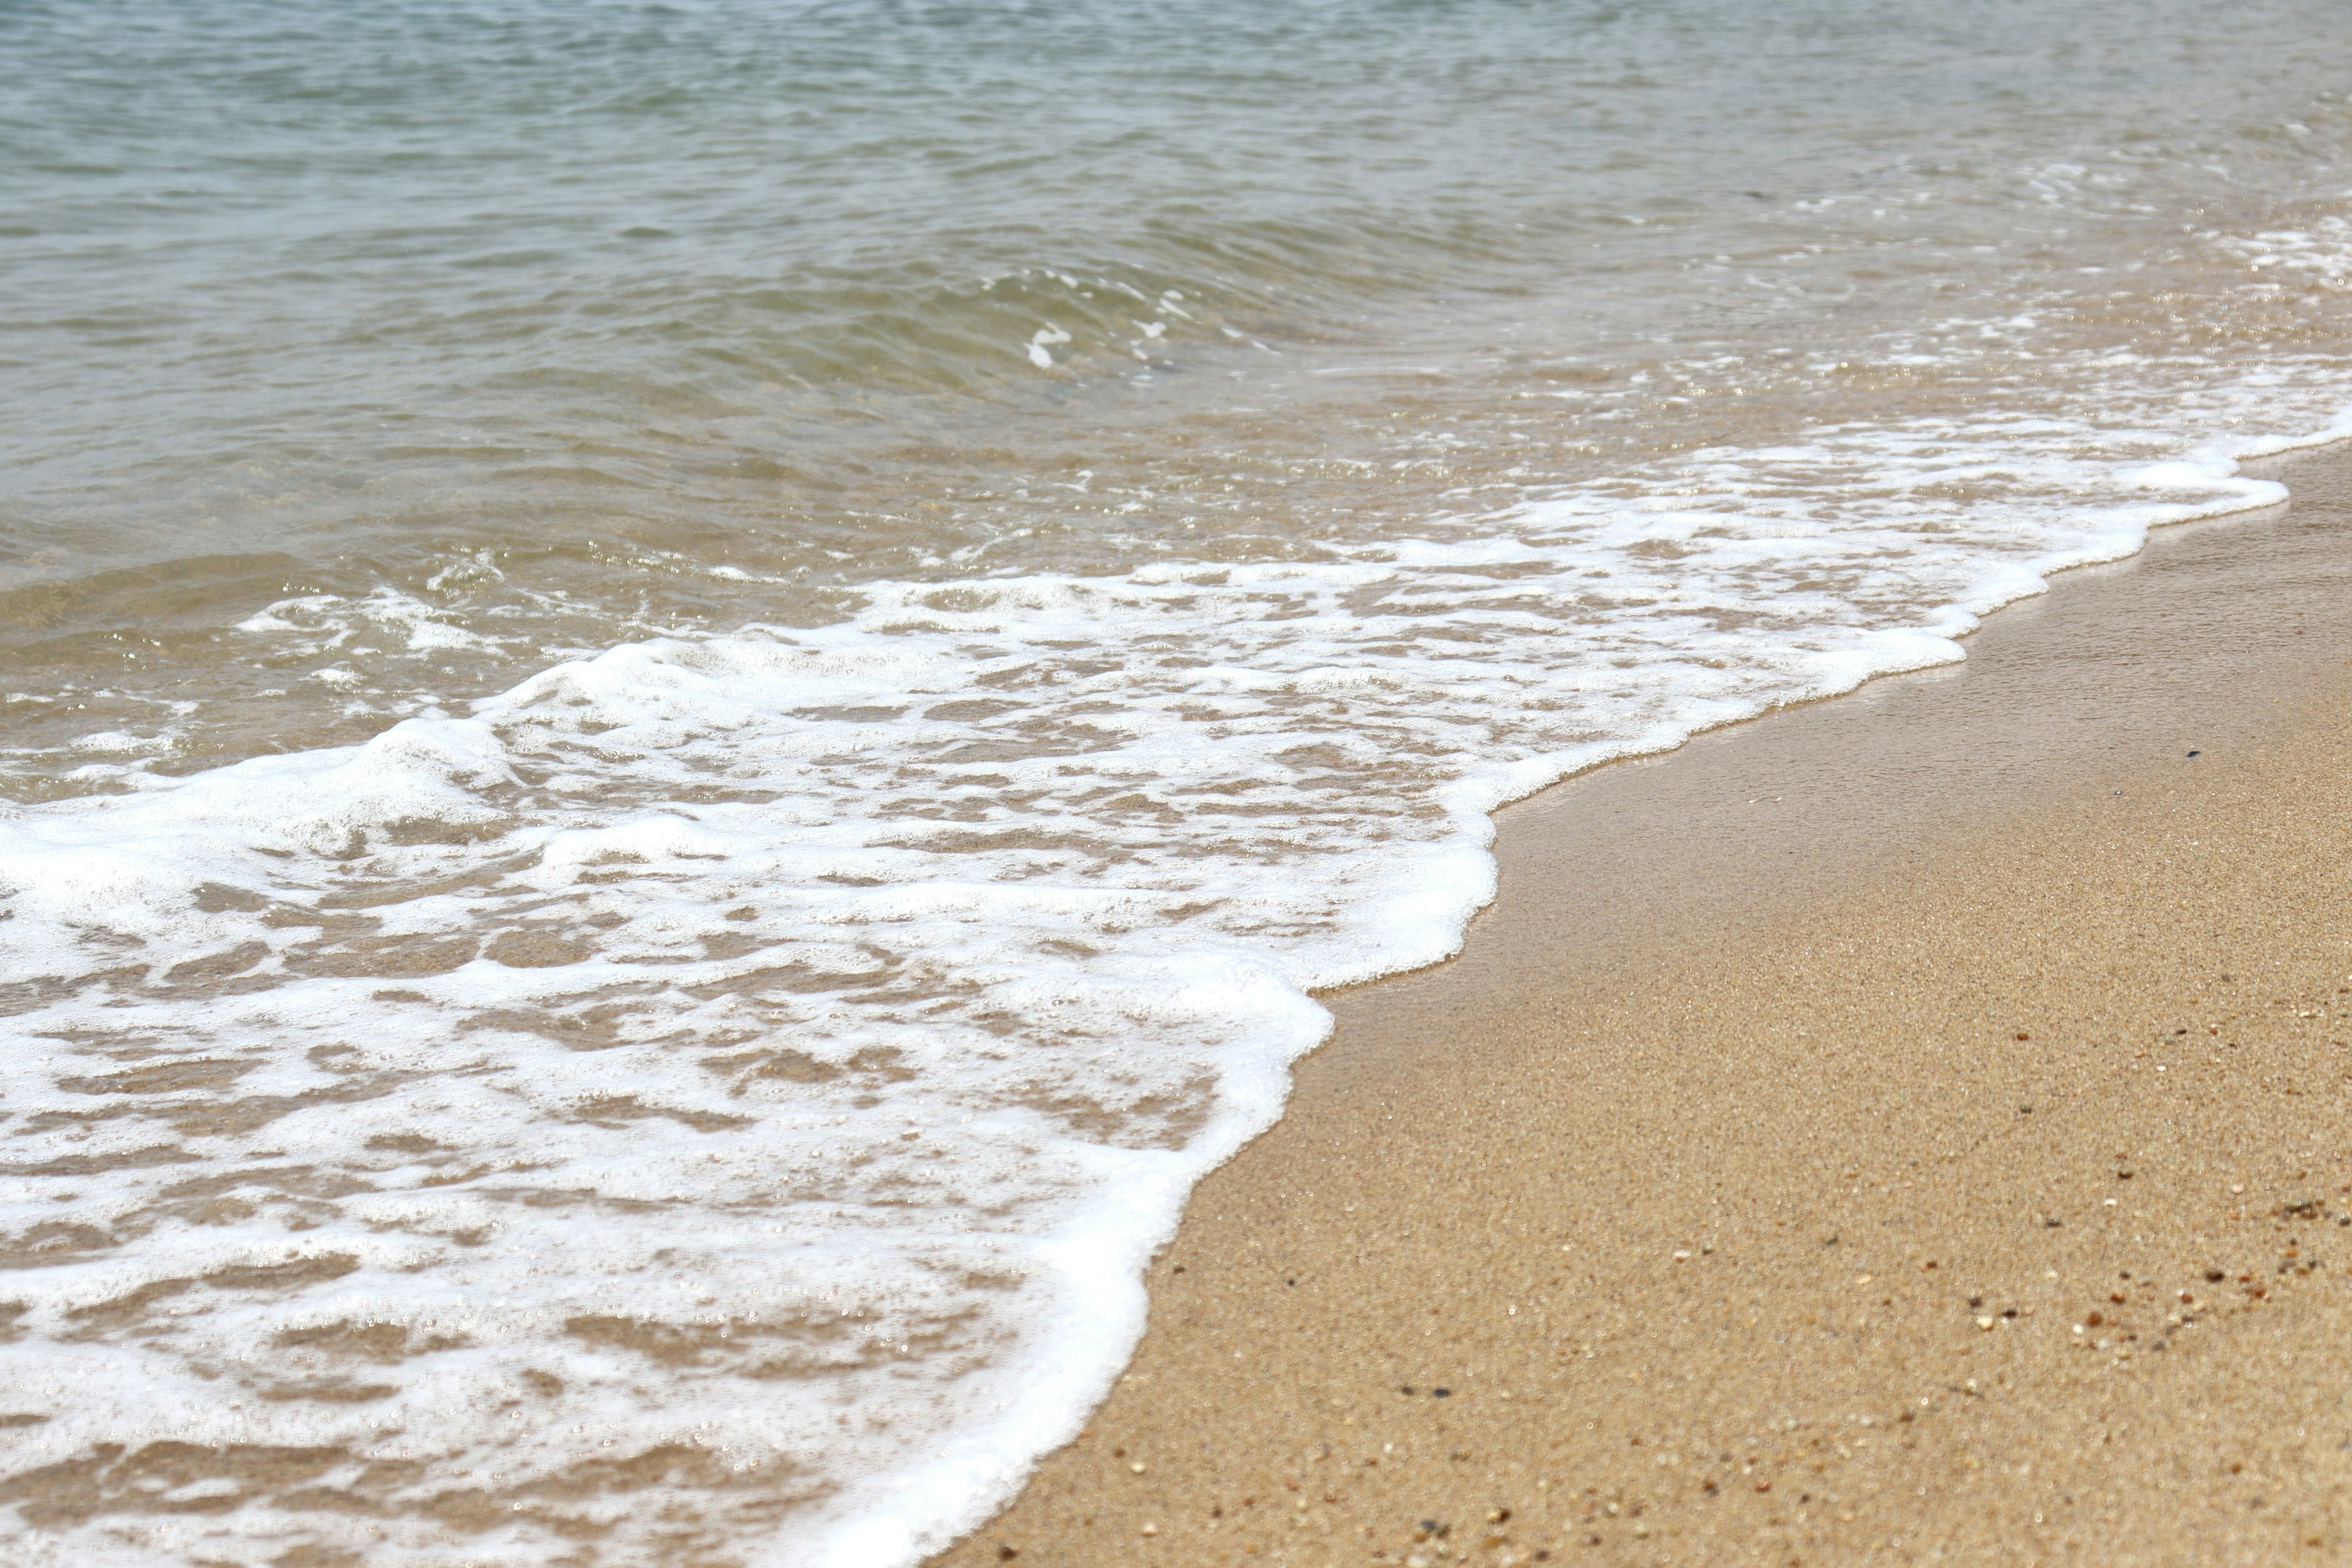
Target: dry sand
x=1908, y=1128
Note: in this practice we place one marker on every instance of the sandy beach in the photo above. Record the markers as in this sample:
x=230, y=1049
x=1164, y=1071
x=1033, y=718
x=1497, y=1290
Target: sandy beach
x=1908, y=1128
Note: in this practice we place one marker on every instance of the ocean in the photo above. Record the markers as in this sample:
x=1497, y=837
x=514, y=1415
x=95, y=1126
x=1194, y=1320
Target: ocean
x=691, y=694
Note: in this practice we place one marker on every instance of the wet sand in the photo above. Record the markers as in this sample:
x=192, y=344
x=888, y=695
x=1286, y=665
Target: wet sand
x=1910, y=1127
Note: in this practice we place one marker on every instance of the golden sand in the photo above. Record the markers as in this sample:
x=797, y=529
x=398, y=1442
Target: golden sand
x=1909, y=1128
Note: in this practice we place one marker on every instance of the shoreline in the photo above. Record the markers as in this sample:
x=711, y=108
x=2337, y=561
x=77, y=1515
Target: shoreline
x=1726, y=1007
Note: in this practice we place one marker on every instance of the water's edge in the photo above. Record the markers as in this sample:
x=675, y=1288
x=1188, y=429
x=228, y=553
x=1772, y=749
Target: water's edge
x=1129, y=1306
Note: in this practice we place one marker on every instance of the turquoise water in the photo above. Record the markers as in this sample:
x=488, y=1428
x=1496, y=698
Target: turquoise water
x=689, y=695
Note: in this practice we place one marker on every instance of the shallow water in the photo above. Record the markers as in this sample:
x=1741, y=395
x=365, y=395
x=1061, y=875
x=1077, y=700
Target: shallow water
x=692, y=692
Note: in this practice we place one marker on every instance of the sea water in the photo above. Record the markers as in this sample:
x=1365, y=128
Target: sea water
x=690, y=694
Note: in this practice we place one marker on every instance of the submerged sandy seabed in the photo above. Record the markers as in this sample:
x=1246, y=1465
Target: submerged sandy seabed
x=1909, y=1127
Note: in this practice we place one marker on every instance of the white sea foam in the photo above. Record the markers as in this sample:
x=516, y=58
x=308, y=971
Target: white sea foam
x=330, y=621
x=724, y=1090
